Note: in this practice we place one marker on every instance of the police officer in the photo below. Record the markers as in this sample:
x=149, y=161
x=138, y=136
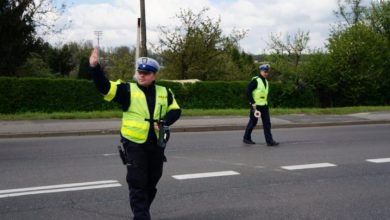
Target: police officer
x=257, y=93
x=142, y=104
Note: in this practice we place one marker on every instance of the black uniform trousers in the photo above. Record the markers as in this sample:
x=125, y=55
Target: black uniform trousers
x=253, y=122
x=144, y=170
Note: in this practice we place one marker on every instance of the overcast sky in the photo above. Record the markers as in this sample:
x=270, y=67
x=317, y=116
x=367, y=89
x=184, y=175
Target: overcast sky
x=118, y=18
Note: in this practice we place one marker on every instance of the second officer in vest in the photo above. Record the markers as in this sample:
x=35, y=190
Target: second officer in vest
x=143, y=103
x=257, y=93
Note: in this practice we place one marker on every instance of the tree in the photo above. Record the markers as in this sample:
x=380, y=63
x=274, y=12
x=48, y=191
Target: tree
x=242, y=63
x=80, y=59
x=17, y=31
x=286, y=56
x=35, y=66
x=359, y=49
x=121, y=64
x=83, y=72
x=351, y=11
x=18, y=22
x=194, y=48
x=292, y=47
x=61, y=60
x=357, y=55
x=321, y=75
x=379, y=17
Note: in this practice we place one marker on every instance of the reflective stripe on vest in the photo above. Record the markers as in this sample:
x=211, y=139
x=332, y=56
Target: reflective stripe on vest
x=260, y=94
x=112, y=92
x=135, y=121
x=174, y=104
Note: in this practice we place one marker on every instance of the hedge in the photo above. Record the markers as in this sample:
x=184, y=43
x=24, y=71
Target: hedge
x=64, y=95
x=49, y=95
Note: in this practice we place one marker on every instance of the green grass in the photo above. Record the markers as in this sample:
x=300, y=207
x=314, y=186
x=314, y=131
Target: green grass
x=61, y=115
x=286, y=111
x=330, y=111
x=193, y=112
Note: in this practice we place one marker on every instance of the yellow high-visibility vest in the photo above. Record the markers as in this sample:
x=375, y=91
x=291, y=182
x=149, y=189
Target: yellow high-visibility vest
x=136, y=120
x=260, y=94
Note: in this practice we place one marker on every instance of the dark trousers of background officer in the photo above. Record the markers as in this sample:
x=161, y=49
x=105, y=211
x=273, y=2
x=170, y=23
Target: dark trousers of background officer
x=143, y=173
x=253, y=122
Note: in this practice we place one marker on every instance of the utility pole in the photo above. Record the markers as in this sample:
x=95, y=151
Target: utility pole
x=143, y=50
x=137, y=48
x=138, y=43
x=99, y=35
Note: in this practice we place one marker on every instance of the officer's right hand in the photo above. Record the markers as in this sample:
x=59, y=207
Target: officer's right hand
x=94, y=58
x=156, y=127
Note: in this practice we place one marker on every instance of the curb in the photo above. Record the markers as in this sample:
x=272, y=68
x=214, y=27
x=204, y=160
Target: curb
x=189, y=129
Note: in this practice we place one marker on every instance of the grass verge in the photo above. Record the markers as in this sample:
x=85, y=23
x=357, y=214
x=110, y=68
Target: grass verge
x=193, y=112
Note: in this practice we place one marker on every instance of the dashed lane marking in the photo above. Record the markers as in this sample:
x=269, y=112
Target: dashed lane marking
x=379, y=160
x=112, y=154
x=205, y=175
x=308, y=166
x=59, y=188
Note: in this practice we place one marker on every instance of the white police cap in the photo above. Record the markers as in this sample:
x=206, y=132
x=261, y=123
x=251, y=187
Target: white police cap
x=146, y=64
x=264, y=67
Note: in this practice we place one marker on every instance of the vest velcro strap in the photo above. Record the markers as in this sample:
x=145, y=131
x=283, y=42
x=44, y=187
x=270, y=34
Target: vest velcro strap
x=151, y=120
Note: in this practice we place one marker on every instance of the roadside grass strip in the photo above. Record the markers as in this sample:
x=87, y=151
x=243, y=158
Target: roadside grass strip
x=205, y=175
x=308, y=166
x=59, y=188
x=379, y=160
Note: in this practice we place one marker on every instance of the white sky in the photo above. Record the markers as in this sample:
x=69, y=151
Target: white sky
x=118, y=18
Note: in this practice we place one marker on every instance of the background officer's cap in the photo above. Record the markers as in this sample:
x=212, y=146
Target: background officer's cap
x=264, y=67
x=146, y=64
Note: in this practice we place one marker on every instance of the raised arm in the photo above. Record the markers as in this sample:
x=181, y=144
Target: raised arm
x=112, y=91
x=100, y=80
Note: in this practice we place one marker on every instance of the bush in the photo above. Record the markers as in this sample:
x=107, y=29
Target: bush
x=49, y=95
x=65, y=95
x=292, y=95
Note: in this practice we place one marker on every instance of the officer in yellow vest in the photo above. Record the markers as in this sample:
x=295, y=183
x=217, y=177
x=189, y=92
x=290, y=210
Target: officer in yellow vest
x=143, y=103
x=257, y=93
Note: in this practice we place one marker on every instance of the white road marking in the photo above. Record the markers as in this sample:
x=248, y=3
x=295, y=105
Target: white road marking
x=308, y=166
x=59, y=188
x=204, y=175
x=239, y=164
x=379, y=160
x=108, y=155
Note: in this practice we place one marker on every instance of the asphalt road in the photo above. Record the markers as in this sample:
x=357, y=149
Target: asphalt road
x=257, y=182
